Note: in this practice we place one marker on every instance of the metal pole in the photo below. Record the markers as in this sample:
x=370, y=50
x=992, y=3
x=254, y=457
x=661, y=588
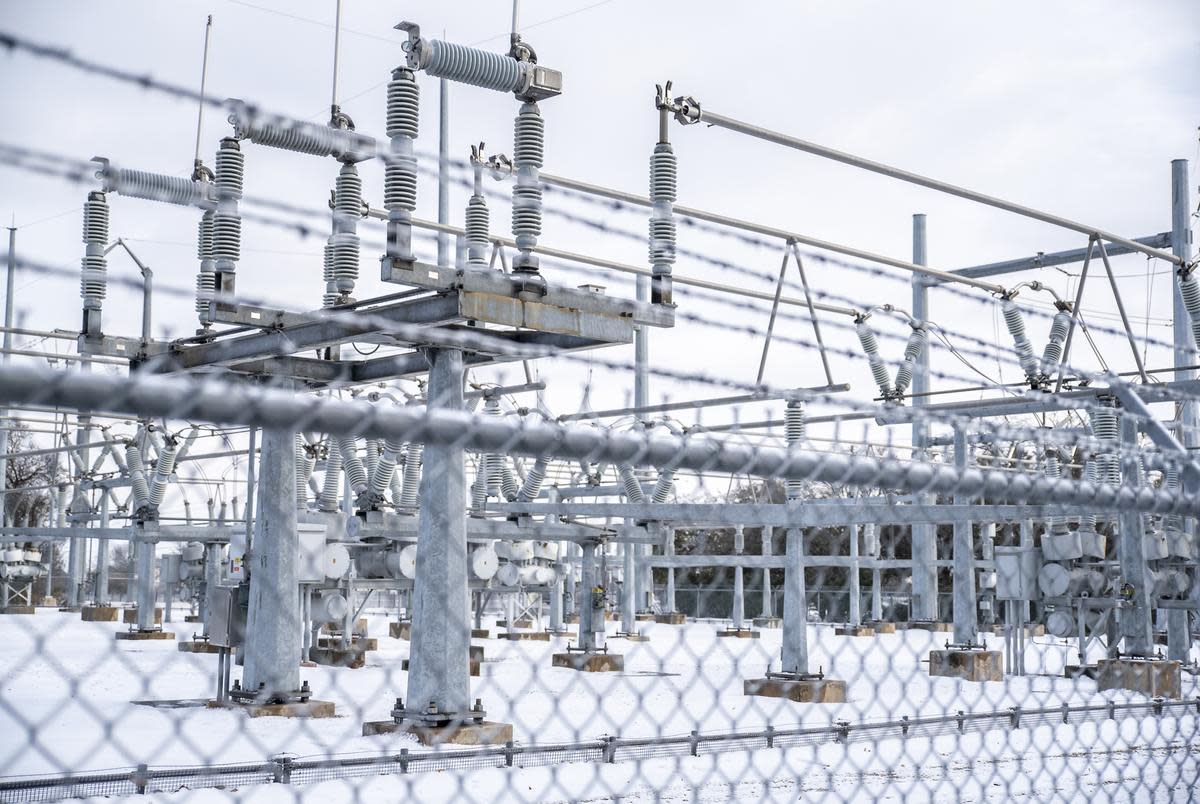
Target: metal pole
x=924, y=536
x=795, y=607
x=102, y=557
x=1131, y=552
x=703, y=115
x=145, y=583
x=441, y=627
x=768, y=608
x=966, y=621
x=669, y=595
x=738, y=615
x=1179, y=640
x=9, y=285
x=855, y=583
x=587, y=582
x=273, y=619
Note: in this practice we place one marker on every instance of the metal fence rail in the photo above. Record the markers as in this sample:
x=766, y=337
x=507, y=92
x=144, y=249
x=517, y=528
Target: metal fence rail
x=285, y=769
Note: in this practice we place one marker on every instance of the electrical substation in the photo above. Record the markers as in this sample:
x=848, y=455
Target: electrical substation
x=389, y=489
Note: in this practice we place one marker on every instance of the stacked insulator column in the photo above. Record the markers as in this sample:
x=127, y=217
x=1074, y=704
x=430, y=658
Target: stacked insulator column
x=870, y=345
x=630, y=483
x=912, y=353
x=1052, y=354
x=532, y=486
x=663, y=486
x=1189, y=289
x=528, y=152
x=1106, y=426
x=477, y=234
x=663, y=174
x=162, y=472
x=411, y=487
x=341, y=251
x=332, y=486
x=304, y=468
x=93, y=279
x=795, y=430
x=400, y=176
x=1053, y=470
x=137, y=475
x=508, y=481
x=206, y=280
x=1016, y=328
x=227, y=223
x=384, y=470
x=356, y=473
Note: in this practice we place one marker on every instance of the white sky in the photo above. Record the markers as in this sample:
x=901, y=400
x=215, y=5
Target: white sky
x=1076, y=108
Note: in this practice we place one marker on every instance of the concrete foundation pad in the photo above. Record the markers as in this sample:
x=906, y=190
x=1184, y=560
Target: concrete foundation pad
x=1030, y=630
x=480, y=633
x=854, y=630
x=523, y=623
x=560, y=632
x=571, y=619
x=473, y=666
x=192, y=618
x=1158, y=678
x=925, y=625
x=631, y=637
x=310, y=708
x=644, y=617
x=352, y=657
x=144, y=635
x=129, y=616
x=1086, y=671
x=99, y=614
x=822, y=690
x=49, y=601
x=525, y=636
x=739, y=633
x=400, y=630
x=589, y=662
x=485, y=733
x=767, y=622
x=969, y=665
x=672, y=618
x=18, y=610
x=71, y=609
x=881, y=627
x=198, y=646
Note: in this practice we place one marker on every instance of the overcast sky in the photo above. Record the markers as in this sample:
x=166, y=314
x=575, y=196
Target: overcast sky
x=1073, y=107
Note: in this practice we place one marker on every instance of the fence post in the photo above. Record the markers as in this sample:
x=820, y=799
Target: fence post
x=904, y=725
x=695, y=743
x=961, y=721
x=281, y=769
x=403, y=760
x=1066, y=712
x=508, y=753
x=770, y=736
x=141, y=778
x=1015, y=717
x=610, y=749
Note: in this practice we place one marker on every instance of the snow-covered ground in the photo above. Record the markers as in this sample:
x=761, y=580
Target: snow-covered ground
x=66, y=688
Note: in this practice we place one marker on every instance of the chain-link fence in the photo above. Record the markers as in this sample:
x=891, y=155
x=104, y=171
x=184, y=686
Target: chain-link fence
x=454, y=535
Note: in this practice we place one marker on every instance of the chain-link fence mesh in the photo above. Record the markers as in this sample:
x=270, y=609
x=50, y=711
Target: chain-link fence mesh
x=455, y=535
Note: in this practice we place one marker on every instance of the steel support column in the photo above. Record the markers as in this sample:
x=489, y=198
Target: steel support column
x=966, y=619
x=441, y=625
x=273, y=623
x=795, y=607
x=101, y=596
x=924, y=536
x=1131, y=552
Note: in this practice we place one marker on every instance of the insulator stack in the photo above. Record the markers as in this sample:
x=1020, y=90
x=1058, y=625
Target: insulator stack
x=663, y=174
x=137, y=475
x=1174, y=522
x=1106, y=426
x=356, y=473
x=534, y=478
x=477, y=226
x=479, y=487
x=913, y=349
x=162, y=473
x=400, y=175
x=300, y=136
x=663, y=486
x=178, y=190
x=795, y=431
x=479, y=68
x=528, y=151
x=384, y=471
x=331, y=488
x=304, y=470
x=630, y=483
x=491, y=464
x=227, y=223
x=1053, y=470
x=206, y=280
x=1016, y=328
x=93, y=276
x=396, y=491
x=1052, y=354
x=330, y=297
x=411, y=488
x=371, y=457
x=341, y=253
x=508, y=482
x=1189, y=288
x=870, y=345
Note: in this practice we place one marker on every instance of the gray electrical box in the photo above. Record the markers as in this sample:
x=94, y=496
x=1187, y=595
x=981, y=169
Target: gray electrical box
x=1017, y=573
x=227, y=627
